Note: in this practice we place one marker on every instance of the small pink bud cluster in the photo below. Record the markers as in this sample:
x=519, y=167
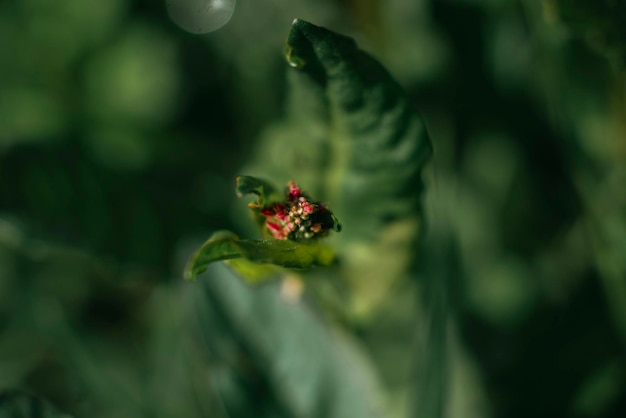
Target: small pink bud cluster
x=298, y=217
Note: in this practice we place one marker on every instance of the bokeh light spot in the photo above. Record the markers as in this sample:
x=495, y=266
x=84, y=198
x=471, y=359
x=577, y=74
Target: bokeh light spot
x=200, y=16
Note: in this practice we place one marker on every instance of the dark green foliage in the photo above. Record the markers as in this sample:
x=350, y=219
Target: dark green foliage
x=599, y=23
x=14, y=404
x=120, y=140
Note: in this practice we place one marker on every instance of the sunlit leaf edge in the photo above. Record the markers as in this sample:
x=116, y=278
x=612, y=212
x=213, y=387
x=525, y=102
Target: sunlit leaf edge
x=225, y=245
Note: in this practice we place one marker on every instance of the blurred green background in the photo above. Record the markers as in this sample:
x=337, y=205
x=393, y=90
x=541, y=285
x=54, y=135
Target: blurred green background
x=121, y=135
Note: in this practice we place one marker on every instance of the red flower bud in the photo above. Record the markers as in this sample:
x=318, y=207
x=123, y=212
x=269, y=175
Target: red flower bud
x=298, y=217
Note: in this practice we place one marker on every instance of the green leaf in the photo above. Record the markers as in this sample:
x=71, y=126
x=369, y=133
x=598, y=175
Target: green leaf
x=225, y=245
x=378, y=142
x=353, y=139
x=274, y=357
x=266, y=195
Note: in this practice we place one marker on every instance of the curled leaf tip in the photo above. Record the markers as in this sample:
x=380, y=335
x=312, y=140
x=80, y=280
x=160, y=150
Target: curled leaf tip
x=237, y=179
x=264, y=191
